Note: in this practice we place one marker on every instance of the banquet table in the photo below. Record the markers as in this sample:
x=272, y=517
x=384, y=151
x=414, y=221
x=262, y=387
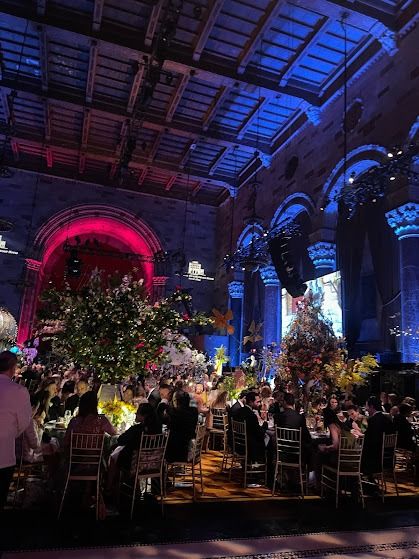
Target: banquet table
x=57, y=430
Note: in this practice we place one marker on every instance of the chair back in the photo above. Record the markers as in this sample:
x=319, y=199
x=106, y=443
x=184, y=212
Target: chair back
x=86, y=450
x=388, y=451
x=198, y=443
x=218, y=418
x=288, y=446
x=239, y=438
x=349, y=455
x=149, y=459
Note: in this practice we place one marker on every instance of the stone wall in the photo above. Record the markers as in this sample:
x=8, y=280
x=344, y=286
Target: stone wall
x=29, y=200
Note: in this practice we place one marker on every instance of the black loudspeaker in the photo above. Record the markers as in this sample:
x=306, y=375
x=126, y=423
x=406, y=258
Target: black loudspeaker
x=281, y=255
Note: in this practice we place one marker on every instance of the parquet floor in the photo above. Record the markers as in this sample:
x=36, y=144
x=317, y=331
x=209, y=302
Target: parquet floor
x=218, y=487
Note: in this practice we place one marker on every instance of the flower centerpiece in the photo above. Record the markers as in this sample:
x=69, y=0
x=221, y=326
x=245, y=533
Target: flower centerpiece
x=118, y=412
x=110, y=326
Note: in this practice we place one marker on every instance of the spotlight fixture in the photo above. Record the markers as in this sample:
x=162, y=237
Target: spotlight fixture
x=169, y=78
x=392, y=178
x=390, y=154
x=197, y=12
x=351, y=179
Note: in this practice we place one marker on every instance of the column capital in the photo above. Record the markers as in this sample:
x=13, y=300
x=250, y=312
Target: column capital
x=386, y=37
x=236, y=289
x=404, y=220
x=32, y=264
x=269, y=276
x=323, y=254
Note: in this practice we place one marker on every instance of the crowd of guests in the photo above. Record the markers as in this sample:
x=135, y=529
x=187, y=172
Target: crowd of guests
x=177, y=404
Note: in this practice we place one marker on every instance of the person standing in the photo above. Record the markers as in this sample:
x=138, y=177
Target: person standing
x=15, y=417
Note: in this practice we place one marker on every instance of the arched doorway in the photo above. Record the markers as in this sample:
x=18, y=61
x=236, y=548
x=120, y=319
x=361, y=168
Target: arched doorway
x=120, y=241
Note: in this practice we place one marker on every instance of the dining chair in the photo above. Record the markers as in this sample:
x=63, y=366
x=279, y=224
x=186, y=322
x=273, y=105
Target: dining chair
x=187, y=468
x=348, y=467
x=240, y=454
x=148, y=463
x=388, y=463
x=217, y=429
x=289, y=456
x=85, y=459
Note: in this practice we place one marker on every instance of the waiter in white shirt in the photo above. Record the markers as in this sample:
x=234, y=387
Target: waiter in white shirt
x=15, y=416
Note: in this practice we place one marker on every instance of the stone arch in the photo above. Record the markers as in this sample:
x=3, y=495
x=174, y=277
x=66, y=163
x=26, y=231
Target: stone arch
x=251, y=230
x=414, y=131
x=358, y=161
x=125, y=227
x=293, y=205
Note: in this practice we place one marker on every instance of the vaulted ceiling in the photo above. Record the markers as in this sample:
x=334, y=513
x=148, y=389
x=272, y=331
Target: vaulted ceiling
x=173, y=97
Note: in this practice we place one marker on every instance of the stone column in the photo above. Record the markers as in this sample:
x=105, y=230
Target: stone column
x=159, y=287
x=236, y=293
x=323, y=256
x=272, y=310
x=404, y=220
x=29, y=299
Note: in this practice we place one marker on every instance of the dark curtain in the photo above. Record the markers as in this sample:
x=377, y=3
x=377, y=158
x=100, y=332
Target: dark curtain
x=350, y=239
x=385, y=258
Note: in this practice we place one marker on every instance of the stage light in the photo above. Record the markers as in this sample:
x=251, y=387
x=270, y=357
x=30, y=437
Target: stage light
x=399, y=152
x=351, y=179
x=392, y=178
x=374, y=200
x=169, y=78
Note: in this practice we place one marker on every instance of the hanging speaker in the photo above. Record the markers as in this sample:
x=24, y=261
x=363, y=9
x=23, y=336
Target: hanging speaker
x=283, y=261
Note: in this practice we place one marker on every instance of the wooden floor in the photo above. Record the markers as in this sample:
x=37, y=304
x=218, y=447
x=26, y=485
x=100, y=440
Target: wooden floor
x=218, y=487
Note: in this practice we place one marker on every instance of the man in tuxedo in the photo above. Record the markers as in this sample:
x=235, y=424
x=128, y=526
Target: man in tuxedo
x=72, y=402
x=255, y=433
x=152, y=391
x=291, y=419
x=379, y=424
x=240, y=402
x=162, y=409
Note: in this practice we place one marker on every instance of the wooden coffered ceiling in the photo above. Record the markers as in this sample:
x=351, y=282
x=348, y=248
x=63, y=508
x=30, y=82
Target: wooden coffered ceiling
x=172, y=97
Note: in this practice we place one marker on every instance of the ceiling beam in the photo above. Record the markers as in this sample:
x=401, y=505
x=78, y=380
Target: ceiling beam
x=302, y=51
x=150, y=121
x=82, y=163
x=155, y=147
x=4, y=100
x=127, y=45
x=15, y=150
x=47, y=120
x=91, y=71
x=170, y=183
x=210, y=18
x=49, y=157
x=152, y=22
x=43, y=48
x=196, y=189
x=135, y=87
x=177, y=96
x=252, y=117
x=366, y=10
x=222, y=95
x=86, y=127
x=217, y=161
x=138, y=163
x=143, y=175
x=186, y=154
x=265, y=22
x=97, y=14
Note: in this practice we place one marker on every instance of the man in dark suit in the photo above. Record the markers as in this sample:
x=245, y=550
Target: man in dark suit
x=291, y=419
x=379, y=424
x=255, y=432
x=152, y=391
x=241, y=400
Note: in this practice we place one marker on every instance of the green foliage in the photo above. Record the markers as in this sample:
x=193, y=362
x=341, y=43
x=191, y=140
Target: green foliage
x=112, y=327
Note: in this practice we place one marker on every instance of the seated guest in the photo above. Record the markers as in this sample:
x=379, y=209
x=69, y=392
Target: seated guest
x=331, y=410
x=277, y=406
x=49, y=405
x=238, y=404
x=182, y=422
x=88, y=419
x=255, y=433
x=355, y=420
x=147, y=423
x=394, y=411
x=163, y=405
x=82, y=387
x=290, y=419
x=37, y=445
x=152, y=391
x=385, y=404
x=220, y=403
x=266, y=401
x=404, y=430
x=378, y=425
x=128, y=394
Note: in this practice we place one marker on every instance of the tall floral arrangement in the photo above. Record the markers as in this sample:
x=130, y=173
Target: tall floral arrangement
x=308, y=346
x=112, y=327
